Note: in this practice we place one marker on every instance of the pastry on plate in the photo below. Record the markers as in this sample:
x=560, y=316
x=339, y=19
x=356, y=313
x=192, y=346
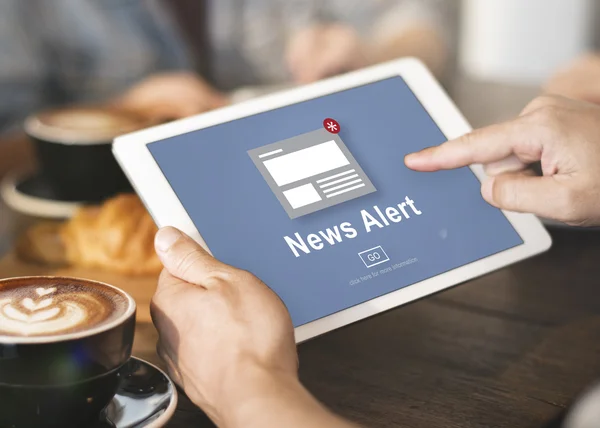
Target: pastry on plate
x=41, y=243
x=117, y=236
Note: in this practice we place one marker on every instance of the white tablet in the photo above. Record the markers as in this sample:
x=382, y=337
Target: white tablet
x=307, y=189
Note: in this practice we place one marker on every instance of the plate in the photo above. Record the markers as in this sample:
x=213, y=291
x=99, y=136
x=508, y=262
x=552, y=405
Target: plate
x=32, y=195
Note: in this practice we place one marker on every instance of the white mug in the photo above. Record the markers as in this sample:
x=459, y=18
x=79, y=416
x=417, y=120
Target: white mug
x=523, y=41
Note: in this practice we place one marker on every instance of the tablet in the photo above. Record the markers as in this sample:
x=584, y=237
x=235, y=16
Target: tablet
x=308, y=190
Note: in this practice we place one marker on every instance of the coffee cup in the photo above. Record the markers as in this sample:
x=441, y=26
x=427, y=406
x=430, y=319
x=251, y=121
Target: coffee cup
x=73, y=147
x=63, y=345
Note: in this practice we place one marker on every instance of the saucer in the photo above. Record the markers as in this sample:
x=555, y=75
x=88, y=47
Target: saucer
x=32, y=195
x=146, y=398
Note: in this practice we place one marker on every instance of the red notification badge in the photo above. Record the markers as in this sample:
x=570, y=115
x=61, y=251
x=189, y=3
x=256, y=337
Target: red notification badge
x=332, y=126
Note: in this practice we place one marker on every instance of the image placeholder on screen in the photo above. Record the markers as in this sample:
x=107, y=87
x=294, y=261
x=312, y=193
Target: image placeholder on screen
x=311, y=172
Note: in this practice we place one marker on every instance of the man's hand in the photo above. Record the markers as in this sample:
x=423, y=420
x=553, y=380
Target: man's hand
x=563, y=134
x=580, y=81
x=228, y=340
x=171, y=96
x=323, y=51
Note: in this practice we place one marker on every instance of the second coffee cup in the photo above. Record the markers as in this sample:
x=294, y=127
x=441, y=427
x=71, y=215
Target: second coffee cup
x=73, y=147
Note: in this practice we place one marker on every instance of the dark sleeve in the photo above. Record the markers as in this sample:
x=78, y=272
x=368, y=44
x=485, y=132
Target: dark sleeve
x=390, y=16
x=22, y=71
x=162, y=29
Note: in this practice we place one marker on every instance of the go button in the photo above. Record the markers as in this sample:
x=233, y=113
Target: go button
x=374, y=256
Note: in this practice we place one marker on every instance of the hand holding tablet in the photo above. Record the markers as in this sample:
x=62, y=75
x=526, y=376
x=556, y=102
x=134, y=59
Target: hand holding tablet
x=335, y=224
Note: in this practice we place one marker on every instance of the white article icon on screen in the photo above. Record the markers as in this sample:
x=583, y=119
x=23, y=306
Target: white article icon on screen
x=311, y=172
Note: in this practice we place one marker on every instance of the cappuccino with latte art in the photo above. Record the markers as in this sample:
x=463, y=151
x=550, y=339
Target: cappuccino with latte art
x=64, y=343
x=57, y=308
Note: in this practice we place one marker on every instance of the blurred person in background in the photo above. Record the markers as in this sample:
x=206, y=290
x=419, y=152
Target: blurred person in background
x=169, y=59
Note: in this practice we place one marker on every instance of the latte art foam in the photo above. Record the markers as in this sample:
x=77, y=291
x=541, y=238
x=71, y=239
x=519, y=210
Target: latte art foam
x=54, y=309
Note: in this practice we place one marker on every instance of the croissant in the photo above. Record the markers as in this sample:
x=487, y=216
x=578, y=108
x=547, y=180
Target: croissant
x=116, y=236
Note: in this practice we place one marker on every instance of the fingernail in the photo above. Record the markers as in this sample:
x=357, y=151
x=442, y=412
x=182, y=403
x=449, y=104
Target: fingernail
x=165, y=238
x=487, y=189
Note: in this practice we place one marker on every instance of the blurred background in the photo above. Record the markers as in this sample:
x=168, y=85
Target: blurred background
x=74, y=74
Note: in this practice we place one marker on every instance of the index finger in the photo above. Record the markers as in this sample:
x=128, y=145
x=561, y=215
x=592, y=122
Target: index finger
x=482, y=146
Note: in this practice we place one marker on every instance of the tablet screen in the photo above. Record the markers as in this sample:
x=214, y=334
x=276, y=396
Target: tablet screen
x=315, y=200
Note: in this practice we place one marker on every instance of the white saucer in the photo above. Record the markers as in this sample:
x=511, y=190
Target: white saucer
x=31, y=195
x=147, y=398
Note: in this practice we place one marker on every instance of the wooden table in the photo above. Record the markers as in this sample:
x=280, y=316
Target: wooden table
x=512, y=349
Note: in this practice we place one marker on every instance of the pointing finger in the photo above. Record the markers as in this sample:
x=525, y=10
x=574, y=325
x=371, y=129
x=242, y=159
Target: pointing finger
x=520, y=137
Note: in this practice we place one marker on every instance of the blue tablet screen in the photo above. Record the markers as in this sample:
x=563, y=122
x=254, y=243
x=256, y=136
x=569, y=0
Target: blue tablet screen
x=314, y=198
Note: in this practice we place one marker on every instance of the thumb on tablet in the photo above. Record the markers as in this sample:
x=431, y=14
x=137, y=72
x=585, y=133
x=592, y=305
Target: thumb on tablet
x=185, y=259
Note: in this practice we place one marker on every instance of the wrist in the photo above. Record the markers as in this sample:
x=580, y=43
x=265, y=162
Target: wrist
x=273, y=399
x=251, y=393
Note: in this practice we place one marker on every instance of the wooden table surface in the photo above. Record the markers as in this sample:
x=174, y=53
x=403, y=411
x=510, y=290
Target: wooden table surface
x=509, y=350
x=512, y=349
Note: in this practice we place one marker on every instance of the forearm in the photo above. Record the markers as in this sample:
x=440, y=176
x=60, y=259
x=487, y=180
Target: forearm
x=419, y=41
x=273, y=402
x=16, y=153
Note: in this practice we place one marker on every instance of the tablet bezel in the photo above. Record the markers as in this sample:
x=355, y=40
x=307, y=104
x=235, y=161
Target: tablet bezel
x=166, y=209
